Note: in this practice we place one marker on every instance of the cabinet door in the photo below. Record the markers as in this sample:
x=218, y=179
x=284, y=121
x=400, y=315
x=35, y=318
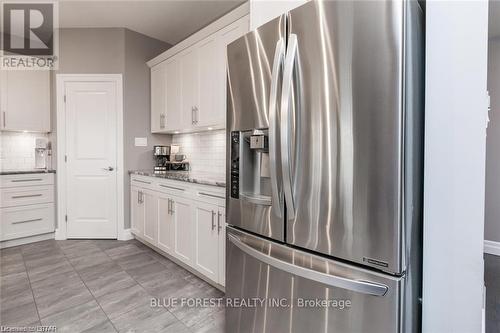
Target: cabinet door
x=183, y=230
x=190, y=87
x=166, y=227
x=173, y=119
x=25, y=100
x=221, y=221
x=207, y=240
x=207, y=113
x=150, y=203
x=137, y=211
x=158, y=98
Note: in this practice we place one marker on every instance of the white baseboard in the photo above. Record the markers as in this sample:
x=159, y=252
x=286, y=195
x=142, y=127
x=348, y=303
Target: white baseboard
x=126, y=234
x=492, y=247
x=26, y=240
x=59, y=235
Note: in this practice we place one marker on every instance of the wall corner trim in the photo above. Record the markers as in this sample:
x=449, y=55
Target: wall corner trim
x=492, y=247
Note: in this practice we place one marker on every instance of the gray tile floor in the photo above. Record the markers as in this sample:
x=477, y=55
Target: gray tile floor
x=492, y=282
x=100, y=286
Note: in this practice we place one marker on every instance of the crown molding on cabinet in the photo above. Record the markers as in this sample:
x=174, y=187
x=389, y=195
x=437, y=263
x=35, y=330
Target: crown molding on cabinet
x=210, y=29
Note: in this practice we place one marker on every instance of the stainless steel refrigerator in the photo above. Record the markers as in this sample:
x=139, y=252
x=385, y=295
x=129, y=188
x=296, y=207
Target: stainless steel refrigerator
x=324, y=170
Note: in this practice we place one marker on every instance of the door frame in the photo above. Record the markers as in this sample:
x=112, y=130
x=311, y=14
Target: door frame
x=61, y=80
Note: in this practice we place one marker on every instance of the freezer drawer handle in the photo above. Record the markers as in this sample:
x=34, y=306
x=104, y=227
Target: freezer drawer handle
x=359, y=286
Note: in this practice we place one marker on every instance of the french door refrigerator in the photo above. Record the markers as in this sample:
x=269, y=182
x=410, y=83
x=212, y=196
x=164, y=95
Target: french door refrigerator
x=324, y=148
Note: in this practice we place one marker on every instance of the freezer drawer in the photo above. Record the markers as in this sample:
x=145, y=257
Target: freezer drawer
x=304, y=292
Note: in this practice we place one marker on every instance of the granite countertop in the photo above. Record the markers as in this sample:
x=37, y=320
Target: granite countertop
x=24, y=172
x=204, y=178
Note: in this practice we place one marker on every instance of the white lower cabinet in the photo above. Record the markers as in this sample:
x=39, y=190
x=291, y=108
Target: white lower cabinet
x=183, y=230
x=181, y=222
x=137, y=211
x=150, y=202
x=207, y=239
x=166, y=227
x=26, y=205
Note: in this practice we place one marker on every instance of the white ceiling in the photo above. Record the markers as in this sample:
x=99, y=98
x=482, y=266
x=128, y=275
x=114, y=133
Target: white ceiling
x=168, y=20
x=494, y=18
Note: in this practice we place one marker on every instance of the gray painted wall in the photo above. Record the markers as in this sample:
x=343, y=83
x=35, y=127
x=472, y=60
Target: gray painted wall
x=136, y=106
x=116, y=51
x=492, y=205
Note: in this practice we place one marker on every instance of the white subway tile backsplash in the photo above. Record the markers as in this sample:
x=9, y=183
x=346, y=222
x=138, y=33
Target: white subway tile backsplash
x=17, y=150
x=205, y=151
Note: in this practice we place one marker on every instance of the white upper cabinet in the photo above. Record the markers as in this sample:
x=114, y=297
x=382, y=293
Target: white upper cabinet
x=262, y=11
x=173, y=117
x=188, y=89
x=158, y=98
x=207, y=113
x=25, y=100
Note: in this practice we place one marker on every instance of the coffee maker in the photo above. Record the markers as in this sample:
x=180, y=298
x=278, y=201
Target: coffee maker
x=162, y=156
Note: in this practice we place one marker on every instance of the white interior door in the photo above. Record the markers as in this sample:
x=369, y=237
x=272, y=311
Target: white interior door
x=91, y=149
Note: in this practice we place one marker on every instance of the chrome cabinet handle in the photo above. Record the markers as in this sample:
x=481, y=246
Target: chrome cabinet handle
x=172, y=211
x=279, y=55
x=219, y=227
x=141, y=181
x=172, y=187
x=360, y=286
x=192, y=115
x=26, y=180
x=211, y=195
x=285, y=124
x=213, y=220
x=26, y=221
x=4, y=123
x=196, y=115
x=26, y=196
x=162, y=120
x=168, y=207
x=108, y=169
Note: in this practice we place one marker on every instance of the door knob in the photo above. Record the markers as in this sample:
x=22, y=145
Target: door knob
x=108, y=169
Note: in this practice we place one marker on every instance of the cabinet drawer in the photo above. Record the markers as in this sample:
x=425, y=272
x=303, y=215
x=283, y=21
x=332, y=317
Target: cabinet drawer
x=19, y=196
x=26, y=180
x=17, y=222
x=142, y=181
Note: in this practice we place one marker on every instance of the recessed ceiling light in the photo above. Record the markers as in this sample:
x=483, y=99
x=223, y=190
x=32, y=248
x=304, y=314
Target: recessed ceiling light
x=210, y=128
x=176, y=132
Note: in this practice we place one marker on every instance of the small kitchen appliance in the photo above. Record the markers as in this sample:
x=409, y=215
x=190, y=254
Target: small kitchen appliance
x=41, y=153
x=162, y=156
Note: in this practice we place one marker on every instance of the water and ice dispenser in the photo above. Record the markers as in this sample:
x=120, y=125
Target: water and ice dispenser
x=250, y=173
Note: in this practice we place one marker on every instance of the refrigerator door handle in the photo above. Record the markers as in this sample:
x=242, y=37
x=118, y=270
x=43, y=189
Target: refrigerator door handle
x=279, y=55
x=285, y=124
x=360, y=286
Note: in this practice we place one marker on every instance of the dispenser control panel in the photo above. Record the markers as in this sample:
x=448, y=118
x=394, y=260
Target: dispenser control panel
x=235, y=165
